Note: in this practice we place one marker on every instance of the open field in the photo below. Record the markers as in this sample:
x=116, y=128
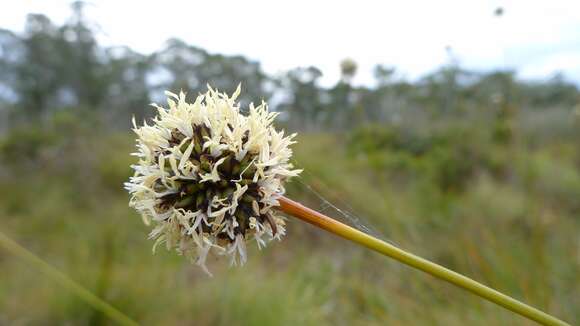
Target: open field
x=509, y=217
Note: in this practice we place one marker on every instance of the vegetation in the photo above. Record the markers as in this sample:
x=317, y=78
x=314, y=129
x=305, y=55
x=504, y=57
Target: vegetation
x=509, y=220
x=49, y=69
x=479, y=172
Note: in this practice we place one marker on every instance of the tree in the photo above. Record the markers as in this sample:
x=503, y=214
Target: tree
x=303, y=97
x=180, y=66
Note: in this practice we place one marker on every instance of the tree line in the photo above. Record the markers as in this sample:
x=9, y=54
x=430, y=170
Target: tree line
x=49, y=68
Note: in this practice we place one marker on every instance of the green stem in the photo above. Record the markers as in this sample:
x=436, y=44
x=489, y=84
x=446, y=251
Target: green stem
x=96, y=302
x=313, y=217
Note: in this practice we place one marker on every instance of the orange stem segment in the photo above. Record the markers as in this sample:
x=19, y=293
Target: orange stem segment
x=322, y=221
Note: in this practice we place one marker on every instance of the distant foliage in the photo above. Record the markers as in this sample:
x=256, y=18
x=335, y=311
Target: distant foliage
x=48, y=68
x=35, y=145
x=447, y=157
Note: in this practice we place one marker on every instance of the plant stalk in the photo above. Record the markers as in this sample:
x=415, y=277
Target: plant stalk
x=333, y=226
x=65, y=281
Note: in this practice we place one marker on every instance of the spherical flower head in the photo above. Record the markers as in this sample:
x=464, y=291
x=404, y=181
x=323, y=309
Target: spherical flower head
x=208, y=176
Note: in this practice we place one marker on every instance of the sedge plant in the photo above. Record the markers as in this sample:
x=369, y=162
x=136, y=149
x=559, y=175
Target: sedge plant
x=210, y=178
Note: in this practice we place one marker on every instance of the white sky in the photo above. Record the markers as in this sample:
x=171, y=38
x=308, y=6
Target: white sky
x=536, y=37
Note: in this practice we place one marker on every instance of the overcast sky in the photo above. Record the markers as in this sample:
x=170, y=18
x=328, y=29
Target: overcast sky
x=538, y=38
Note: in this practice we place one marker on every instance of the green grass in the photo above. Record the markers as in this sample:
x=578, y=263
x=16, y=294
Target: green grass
x=516, y=231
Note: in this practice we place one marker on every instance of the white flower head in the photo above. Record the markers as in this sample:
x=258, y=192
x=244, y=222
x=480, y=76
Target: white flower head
x=208, y=175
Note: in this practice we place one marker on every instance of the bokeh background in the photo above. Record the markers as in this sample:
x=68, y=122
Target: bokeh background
x=453, y=131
